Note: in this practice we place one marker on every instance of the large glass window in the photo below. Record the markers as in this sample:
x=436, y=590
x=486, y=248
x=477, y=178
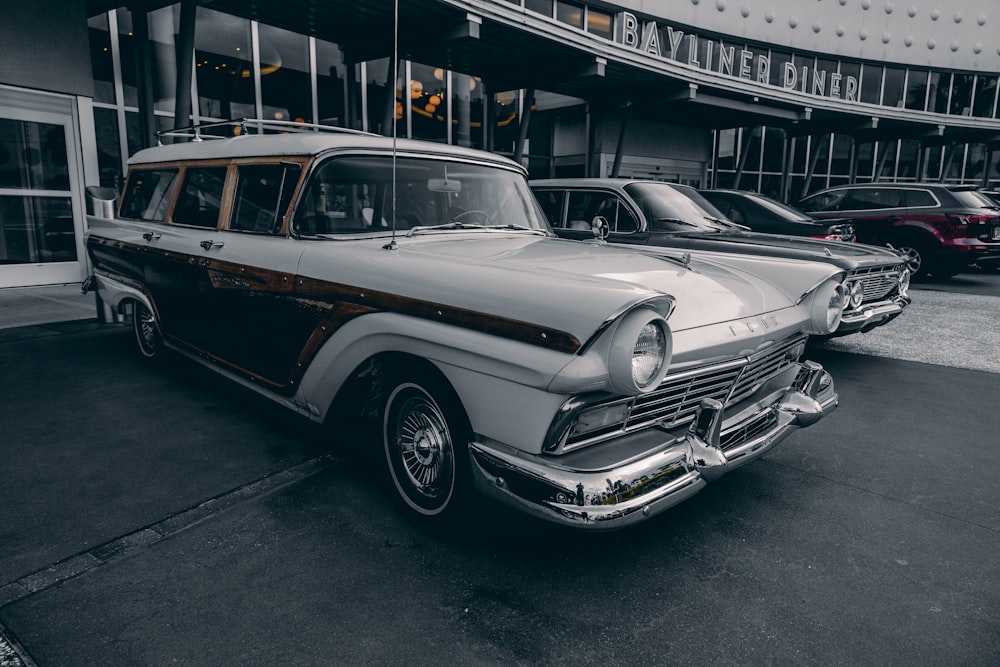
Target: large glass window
x=871, y=84
x=163, y=24
x=961, y=94
x=109, y=159
x=778, y=61
x=331, y=77
x=774, y=149
x=224, y=68
x=893, y=90
x=986, y=90
x=469, y=103
x=599, y=23
x=506, y=121
x=850, y=81
x=916, y=90
x=36, y=229
x=429, y=102
x=379, y=94
x=543, y=7
x=570, y=13
x=938, y=90
x=285, y=83
x=127, y=48
x=102, y=59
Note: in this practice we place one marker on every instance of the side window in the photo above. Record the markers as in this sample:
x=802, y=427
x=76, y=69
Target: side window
x=147, y=194
x=584, y=205
x=551, y=202
x=200, y=197
x=827, y=201
x=263, y=192
x=916, y=198
x=867, y=199
x=619, y=218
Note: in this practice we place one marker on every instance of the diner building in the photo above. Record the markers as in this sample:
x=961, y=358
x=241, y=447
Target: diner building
x=778, y=96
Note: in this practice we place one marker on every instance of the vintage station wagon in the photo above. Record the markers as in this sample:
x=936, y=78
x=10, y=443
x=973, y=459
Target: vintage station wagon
x=349, y=276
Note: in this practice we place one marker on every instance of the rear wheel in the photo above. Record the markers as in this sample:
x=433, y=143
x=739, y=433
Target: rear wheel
x=147, y=332
x=426, y=436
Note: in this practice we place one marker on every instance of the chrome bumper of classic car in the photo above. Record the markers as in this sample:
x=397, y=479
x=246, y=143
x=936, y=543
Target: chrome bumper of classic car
x=674, y=467
x=869, y=316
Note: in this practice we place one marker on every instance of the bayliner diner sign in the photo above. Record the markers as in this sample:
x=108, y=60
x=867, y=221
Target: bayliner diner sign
x=715, y=56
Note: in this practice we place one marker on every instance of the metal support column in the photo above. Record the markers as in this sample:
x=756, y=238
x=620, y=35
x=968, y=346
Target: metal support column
x=620, y=149
x=743, y=155
x=522, y=128
x=184, y=44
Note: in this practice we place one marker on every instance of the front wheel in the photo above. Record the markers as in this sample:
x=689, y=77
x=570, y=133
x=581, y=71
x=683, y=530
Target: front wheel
x=426, y=436
x=917, y=256
x=147, y=332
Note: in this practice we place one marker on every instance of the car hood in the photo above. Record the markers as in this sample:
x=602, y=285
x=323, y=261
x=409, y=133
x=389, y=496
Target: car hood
x=570, y=286
x=842, y=254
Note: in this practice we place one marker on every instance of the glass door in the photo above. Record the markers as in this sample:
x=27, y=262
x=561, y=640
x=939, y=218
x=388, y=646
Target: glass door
x=40, y=217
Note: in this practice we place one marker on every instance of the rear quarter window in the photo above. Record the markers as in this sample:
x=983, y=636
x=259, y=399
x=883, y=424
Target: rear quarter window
x=918, y=198
x=147, y=194
x=825, y=201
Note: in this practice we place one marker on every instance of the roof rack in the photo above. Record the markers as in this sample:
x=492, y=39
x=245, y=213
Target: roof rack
x=250, y=126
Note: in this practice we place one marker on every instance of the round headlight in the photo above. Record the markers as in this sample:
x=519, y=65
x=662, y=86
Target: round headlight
x=904, y=282
x=826, y=307
x=647, y=357
x=640, y=352
x=856, y=293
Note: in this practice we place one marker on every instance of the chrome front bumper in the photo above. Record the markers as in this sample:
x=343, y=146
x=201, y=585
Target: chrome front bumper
x=673, y=468
x=870, y=316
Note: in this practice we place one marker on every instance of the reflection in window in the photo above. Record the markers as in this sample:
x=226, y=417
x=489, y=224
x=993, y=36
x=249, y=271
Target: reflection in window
x=774, y=149
x=916, y=90
x=163, y=25
x=961, y=94
x=599, y=23
x=986, y=93
x=777, y=73
x=200, y=198
x=892, y=92
x=567, y=12
x=871, y=84
x=331, y=77
x=906, y=166
x=33, y=155
x=429, y=102
x=109, y=160
x=543, y=7
x=505, y=121
x=127, y=49
x=850, y=80
x=147, y=194
x=36, y=229
x=937, y=92
x=263, y=193
x=468, y=110
x=285, y=84
x=380, y=101
x=224, y=66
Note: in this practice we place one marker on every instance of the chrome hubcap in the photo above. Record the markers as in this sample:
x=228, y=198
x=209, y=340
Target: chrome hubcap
x=425, y=445
x=913, y=259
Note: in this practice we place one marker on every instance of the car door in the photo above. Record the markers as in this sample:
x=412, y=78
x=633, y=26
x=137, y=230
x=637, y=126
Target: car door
x=251, y=321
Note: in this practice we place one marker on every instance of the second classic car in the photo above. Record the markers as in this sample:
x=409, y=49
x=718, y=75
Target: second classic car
x=655, y=213
x=349, y=276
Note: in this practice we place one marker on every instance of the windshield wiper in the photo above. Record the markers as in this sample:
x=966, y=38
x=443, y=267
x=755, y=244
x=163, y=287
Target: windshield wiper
x=446, y=225
x=678, y=221
x=522, y=228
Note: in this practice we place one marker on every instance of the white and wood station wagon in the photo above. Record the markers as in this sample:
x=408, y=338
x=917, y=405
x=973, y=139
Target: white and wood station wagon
x=352, y=276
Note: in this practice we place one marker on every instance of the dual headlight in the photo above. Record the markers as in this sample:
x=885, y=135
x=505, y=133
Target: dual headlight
x=640, y=352
x=826, y=306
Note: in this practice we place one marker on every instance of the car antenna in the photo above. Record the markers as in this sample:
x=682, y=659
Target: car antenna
x=392, y=245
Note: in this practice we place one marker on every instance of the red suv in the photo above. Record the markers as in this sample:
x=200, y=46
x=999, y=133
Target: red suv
x=941, y=228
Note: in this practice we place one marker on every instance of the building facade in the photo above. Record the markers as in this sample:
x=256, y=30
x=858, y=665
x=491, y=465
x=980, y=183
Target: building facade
x=783, y=97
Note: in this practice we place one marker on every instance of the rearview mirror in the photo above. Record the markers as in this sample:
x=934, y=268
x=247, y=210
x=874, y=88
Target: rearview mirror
x=444, y=185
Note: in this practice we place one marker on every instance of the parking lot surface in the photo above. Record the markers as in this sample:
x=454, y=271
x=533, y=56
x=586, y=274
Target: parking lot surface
x=156, y=516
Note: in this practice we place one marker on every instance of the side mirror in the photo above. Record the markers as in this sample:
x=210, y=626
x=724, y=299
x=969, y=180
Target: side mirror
x=600, y=226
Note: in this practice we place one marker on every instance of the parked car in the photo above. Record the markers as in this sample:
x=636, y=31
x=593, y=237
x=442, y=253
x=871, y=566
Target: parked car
x=941, y=228
x=653, y=213
x=761, y=213
x=349, y=277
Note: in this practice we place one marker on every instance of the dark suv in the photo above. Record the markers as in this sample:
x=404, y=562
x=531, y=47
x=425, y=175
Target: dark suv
x=941, y=228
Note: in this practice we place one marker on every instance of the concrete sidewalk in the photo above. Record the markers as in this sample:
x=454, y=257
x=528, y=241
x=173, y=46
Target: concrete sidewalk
x=49, y=304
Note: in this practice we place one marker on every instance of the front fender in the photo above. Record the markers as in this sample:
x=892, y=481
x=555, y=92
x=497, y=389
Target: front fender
x=454, y=350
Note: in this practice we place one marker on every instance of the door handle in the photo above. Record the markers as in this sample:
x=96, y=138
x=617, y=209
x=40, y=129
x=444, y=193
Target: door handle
x=895, y=218
x=152, y=236
x=208, y=245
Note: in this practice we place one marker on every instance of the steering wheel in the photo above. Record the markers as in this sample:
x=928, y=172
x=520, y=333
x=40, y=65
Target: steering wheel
x=472, y=211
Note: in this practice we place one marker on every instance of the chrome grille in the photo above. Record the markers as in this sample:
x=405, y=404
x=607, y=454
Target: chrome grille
x=878, y=281
x=676, y=400
x=748, y=429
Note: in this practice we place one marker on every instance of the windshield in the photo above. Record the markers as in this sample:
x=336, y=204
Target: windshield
x=677, y=208
x=354, y=195
x=783, y=211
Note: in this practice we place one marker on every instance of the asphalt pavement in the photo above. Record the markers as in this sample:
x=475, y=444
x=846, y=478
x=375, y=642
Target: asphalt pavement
x=161, y=516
